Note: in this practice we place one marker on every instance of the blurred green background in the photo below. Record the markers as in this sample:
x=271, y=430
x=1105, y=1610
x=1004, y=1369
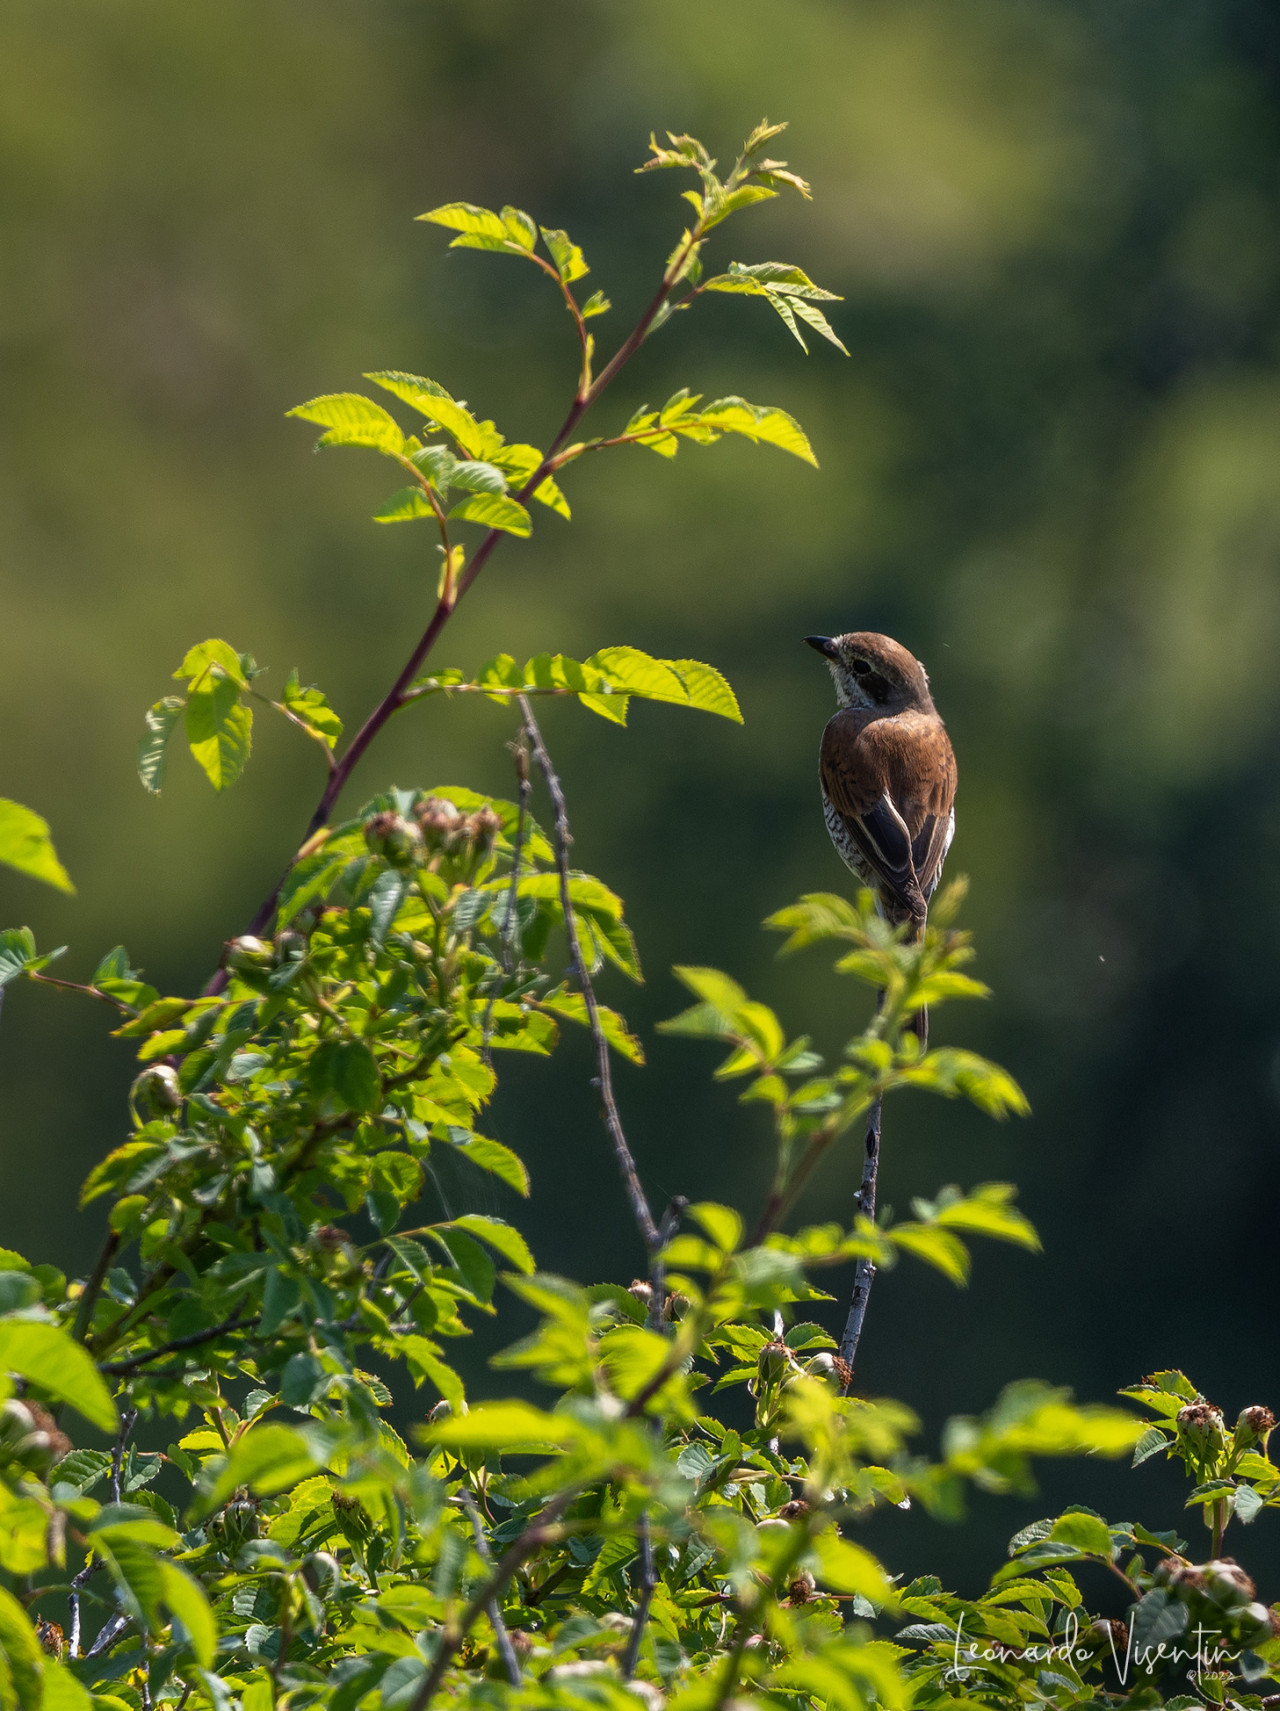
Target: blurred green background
x=1052, y=468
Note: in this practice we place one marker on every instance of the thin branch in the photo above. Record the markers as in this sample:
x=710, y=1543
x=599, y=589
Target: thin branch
x=604, y=1079
x=865, y=1271
x=128, y=1420
x=85, y=990
x=398, y=694
x=511, y=1663
x=510, y=925
x=191, y=1342
x=648, y=1586
x=454, y=1632
x=93, y=1287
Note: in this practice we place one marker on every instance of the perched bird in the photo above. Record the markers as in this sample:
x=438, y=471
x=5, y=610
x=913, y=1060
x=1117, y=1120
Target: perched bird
x=888, y=775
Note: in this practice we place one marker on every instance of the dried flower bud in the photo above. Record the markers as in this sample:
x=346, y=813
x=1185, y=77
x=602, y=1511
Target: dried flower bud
x=439, y=822
x=247, y=954
x=329, y=1237
x=393, y=838
x=51, y=1637
x=1188, y=1578
x=1105, y=1635
x=483, y=827
x=1201, y=1430
x=1253, y=1426
x=795, y=1510
x=801, y=1589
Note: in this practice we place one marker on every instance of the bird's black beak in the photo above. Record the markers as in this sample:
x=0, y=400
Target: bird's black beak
x=824, y=645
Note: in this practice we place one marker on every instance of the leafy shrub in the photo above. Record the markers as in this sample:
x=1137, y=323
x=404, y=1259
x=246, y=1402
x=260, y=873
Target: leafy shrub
x=265, y=1285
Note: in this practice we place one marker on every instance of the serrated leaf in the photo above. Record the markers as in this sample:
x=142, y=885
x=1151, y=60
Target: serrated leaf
x=312, y=707
x=47, y=1356
x=404, y=506
x=500, y=1235
x=572, y=1006
x=596, y=304
x=938, y=1248
x=153, y=746
x=570, y=262
x=495, y=511
x=26, y=846
x=476, y=439
x=219, y=730
x=351, y=419
x=495, y=1158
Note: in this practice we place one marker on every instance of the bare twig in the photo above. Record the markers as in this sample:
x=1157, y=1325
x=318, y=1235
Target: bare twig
x=454, y=1632
x=93, y=1286
x=865, y=1272
x=604, y=1070
x=510, y=1662
x=648, y=1586
x=194, y=1340
x=128, y=1420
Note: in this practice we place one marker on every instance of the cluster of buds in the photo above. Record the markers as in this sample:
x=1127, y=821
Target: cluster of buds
x=447, y=830
x=1222, y=1599
x=30, y=1436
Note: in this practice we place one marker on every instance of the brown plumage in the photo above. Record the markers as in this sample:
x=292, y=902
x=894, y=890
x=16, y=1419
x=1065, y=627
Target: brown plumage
x=888, y=774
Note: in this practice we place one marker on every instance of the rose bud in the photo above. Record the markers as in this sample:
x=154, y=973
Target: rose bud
x=157, y=1088
x=248, y=954
x=393, y=838
x=1201, y=1430
x=1227, y=1584
x=1253, y=1427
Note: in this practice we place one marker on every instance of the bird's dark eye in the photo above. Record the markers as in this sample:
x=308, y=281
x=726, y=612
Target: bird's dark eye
x=861, y=667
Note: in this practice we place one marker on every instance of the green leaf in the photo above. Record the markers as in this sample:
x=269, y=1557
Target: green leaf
x=353, y=420
x=495, y=1158
x=475, y=476
x=214, y=656
x=481, y=229
x=721, y=1223
x=938, y=1248
x=25, y=844
x=431, y=400
x=596, y=304
x=570, y=262
x=987, y=1212
x=1086, y=1532
x=48, y=1356
x=187, y=1602
x=219, y=730
x=267, y=1459
x=153, y=745
x=348, y=1069
x=507, y=1426
x=62, y=1692
x=500, y=1235
x=572, y=1006
x=310, y=705
x=22, y=1652
x=846, y=1567
x=404, y=506
x=494, y=511
x=761, y=423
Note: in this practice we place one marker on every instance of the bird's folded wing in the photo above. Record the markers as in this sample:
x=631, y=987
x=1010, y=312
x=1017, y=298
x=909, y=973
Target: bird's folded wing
x=892, y=781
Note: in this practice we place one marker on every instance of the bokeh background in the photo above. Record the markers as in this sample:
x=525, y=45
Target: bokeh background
x=1051, y=467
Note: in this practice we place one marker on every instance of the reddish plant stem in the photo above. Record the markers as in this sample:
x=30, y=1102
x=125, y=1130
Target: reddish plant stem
x=397, y=696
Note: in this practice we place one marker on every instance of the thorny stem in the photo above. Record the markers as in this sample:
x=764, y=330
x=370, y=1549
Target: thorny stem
x=865, y=1272
x=453, y=1633
x=398, y=694
x=604, y=1070
x=510, y=1662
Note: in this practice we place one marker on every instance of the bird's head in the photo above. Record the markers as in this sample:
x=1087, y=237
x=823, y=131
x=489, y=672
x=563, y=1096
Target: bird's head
x=874, y=672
